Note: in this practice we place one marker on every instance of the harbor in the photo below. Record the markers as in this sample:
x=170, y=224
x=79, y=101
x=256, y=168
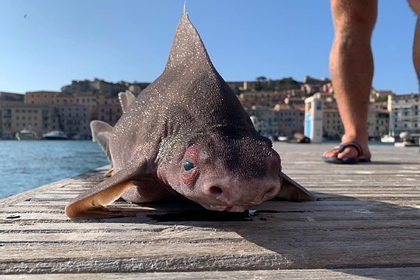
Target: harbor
x=364, y=225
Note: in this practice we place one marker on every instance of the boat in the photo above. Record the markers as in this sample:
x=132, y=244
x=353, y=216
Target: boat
x=55, y=135
x=387, y=139
x=26, y=134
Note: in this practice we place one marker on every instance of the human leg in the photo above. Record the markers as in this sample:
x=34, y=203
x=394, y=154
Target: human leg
x=415, y=5
x=351, y=66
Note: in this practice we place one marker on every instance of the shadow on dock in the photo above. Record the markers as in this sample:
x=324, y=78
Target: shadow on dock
x=337, y=232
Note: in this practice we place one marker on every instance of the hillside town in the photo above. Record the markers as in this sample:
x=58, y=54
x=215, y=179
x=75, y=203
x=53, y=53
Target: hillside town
x=278, y=107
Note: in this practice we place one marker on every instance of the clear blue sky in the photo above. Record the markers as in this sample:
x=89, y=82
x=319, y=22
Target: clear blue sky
x=61, y=41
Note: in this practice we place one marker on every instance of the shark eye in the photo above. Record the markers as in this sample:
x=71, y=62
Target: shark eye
x=188, y=165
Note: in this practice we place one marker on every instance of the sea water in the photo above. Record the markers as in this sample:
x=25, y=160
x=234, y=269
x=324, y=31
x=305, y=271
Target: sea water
x=25, y=165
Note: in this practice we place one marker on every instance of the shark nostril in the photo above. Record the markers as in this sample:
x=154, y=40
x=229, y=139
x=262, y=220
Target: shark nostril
x=215, y=190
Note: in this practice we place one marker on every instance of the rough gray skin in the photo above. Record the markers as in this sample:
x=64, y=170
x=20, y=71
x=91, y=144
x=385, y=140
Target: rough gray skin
x=186, y=134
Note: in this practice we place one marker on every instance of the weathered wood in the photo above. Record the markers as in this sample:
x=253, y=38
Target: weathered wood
x=406, y=273
x=366, y=223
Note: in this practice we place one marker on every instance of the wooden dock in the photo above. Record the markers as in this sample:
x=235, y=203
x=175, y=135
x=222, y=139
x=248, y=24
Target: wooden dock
x=365, y=224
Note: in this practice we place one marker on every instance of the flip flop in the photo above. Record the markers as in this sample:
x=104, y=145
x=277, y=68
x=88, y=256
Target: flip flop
x=351, y=160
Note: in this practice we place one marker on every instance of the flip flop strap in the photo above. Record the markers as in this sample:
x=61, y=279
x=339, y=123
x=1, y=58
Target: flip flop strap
x=343, y=146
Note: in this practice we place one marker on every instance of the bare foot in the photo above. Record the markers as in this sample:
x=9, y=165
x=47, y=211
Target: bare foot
x=349, y=152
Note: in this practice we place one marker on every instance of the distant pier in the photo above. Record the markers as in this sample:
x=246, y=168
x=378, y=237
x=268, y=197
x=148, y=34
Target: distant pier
x=365, y=224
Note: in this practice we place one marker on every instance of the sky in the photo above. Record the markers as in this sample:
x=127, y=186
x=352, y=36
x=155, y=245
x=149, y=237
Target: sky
x=45, y=44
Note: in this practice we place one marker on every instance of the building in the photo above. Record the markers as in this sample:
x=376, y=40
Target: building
x=73, y=119
x=8, y=98
x=256, y=98
x=381, y=124
x=381, y=95
x=311, y=85
x=267, y=118
x=404, y=113
x=332, y=126
x=98, y=86
x=90, y=101
x=15, y=118
x=41, y=97
x=65, y=99
x=11, y=98
x=109, y=111
x=291, y=119
x=327, y=98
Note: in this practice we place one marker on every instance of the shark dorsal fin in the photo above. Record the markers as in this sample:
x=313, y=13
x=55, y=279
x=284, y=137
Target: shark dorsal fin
x=188, y=50
x=126, y=98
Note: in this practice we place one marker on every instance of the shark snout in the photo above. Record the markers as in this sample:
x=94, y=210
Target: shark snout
x=242, y=193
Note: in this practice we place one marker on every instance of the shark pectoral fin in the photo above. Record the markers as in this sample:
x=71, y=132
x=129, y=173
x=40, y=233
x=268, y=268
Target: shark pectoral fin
x=94, y=205
x=292, y=191
x=92, y=202
x=126, y=98
x=109, y=173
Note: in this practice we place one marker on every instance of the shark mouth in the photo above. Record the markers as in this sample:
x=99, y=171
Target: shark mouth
x=230, y=208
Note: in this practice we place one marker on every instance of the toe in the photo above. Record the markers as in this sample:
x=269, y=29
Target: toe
x=349, y=152
x=331, y=153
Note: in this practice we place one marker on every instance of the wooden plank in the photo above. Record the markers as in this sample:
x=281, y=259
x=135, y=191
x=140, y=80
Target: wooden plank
x=406, y=273
x=365, y=224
